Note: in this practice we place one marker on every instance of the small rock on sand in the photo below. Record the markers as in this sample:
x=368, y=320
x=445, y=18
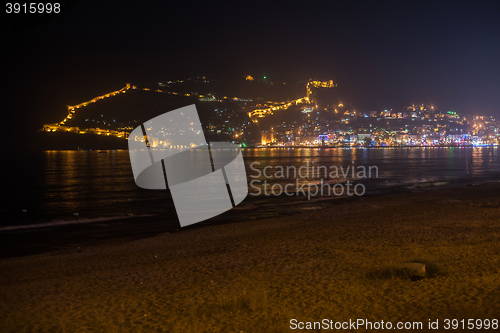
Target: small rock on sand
x=417, y=269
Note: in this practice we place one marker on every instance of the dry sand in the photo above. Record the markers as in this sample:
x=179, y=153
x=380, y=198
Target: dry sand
x=256, y=276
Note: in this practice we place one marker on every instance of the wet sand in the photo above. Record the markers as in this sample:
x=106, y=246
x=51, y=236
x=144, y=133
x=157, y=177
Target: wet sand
x=255, y=276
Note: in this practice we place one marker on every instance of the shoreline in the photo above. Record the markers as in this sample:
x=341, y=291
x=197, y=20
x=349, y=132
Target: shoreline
x=83, y=231
x=298, y=147
x=257, y=275
x=75, y=233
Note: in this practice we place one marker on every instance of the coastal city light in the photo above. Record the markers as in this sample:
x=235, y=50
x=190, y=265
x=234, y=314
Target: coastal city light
x=333, y=125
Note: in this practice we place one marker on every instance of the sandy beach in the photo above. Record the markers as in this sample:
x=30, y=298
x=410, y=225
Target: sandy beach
x=338, y=263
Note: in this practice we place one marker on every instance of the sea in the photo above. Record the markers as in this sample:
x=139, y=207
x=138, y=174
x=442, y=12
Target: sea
x=65, y=200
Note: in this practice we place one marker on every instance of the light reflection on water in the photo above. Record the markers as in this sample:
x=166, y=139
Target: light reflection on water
x=396, y=166
x=56, y=184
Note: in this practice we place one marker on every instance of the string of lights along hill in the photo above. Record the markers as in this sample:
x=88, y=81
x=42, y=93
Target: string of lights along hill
x=61, y=126
x=259, y=113
x=124, y=132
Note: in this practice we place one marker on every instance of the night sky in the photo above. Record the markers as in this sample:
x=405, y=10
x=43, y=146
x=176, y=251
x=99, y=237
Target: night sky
x=383, y=54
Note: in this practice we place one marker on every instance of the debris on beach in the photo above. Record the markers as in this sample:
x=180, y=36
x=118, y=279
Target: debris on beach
x=417, y=270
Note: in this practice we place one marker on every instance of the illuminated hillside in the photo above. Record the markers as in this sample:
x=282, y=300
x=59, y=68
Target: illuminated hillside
x=225, y=107
x=259, y=113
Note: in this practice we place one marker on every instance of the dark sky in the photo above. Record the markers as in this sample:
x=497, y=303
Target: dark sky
x=384, y=54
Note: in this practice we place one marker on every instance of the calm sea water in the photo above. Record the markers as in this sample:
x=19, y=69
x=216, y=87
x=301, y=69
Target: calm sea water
x=76, y=187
